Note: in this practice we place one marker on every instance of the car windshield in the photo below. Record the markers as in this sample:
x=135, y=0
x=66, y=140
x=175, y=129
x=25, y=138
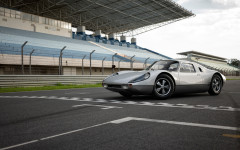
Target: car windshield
x=170, y=65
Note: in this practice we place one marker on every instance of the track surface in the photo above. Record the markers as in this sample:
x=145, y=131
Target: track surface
x=99, y=119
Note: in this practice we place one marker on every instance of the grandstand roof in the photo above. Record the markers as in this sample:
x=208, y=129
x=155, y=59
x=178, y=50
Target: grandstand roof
x=111, y=16
x=196, y=53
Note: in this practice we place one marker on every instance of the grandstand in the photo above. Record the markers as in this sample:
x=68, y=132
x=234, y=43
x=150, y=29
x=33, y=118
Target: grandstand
x=48, y=29
x=211, y=62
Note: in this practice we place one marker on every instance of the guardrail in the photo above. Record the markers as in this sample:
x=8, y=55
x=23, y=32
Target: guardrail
x=44, y=80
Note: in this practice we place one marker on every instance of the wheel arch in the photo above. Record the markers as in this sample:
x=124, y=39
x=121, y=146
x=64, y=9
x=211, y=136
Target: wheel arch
x=217, y=73
x=169, y=76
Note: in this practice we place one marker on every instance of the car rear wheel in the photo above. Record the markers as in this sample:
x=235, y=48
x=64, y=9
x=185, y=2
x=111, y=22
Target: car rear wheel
x=163, y=87
x=216, y=85
x=125, y=94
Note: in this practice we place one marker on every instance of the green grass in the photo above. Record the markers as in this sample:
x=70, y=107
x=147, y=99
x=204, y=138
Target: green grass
x=234, y=79
x=54, y=87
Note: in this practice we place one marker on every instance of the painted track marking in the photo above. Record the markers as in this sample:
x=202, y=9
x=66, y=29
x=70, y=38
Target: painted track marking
x=123, y=120
x=102, y=106
x=187, y=106
x=232, y=136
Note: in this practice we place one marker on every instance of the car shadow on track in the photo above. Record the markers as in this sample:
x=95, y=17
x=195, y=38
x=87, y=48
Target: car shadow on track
x=153, y=98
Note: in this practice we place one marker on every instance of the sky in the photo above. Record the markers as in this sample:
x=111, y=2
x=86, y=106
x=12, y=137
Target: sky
x=214, y=30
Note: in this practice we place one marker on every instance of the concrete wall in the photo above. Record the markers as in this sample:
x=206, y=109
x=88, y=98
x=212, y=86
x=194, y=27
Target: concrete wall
x=54, y=61
x=35, y=27
x=49, y=65
x=69, y=71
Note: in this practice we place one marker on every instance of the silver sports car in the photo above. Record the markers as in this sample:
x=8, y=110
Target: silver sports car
x=164, y=78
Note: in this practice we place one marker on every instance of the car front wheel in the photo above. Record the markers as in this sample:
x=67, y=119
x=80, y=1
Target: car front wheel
x=163, y=87
x=215, y=85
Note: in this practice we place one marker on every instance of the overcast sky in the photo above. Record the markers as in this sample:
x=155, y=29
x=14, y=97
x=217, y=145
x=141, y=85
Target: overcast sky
x=214, y=30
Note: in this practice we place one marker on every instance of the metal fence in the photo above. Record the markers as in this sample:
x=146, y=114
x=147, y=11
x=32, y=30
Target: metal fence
x=25, y=59
x=44, y=80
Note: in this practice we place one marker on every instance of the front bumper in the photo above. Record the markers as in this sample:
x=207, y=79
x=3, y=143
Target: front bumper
x=130, y=88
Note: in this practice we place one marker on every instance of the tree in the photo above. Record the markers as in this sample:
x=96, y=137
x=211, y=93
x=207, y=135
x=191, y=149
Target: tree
x=234, y=62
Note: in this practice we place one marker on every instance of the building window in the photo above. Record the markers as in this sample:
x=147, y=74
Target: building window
x=18, y=15
x=2, y=11
x=7, y=12
x=13, y=14
x=26, y=17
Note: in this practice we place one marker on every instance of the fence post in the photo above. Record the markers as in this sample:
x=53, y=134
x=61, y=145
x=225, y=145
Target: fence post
x=145, y=63
x=119, y=64
x=91, y=61
x=113, y=62
x=103, y=65
x=22, y=56
x=83, y=64
x=131, y=63
x=60, y=72
x=30, y=62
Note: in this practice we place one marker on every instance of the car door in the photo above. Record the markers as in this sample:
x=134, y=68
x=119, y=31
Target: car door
x=189, y=78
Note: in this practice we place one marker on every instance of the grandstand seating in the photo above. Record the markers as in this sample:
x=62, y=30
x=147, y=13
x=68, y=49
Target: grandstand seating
x=50, y=45
x=219, y=66
x=118, y=45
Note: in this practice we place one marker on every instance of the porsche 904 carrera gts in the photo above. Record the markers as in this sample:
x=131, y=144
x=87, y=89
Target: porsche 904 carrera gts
x=166, y=77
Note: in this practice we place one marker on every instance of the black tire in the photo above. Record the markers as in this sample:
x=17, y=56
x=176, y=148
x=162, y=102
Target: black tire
x=163, y=87
x=125, y=94
x=215, y=85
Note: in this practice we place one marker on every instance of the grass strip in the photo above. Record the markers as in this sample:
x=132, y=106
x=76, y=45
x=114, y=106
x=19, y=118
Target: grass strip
x=40, y=88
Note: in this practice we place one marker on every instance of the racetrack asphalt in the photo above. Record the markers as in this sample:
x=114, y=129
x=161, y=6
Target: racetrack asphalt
x=95, y=118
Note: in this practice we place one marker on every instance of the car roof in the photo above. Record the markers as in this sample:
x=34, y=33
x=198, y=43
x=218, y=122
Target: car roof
x=182, y=61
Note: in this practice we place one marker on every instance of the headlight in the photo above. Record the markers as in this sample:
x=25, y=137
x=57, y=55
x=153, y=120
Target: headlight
x=141, y=78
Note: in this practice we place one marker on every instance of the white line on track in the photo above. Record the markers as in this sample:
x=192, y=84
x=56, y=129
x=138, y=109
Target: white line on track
x=17, y=145
x=53, y=136
x=188, y=124
x=77, y=93
x=186, y=106
x=126, y=119
x=234, y=92
x=102, y=106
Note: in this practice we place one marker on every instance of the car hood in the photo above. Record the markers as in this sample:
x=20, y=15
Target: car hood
x=123, y=77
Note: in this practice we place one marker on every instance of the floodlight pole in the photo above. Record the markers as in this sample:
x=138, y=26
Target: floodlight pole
x=30, y=62
x=113, y=62
x=103, y=65
x=83, y=64
x=119, y=64
x=145, y=62
x=60, y=71
x=131, y=63
x=91, y=61
x=22, y=56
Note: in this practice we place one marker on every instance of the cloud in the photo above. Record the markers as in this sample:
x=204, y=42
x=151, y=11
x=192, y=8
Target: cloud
x=215, y=31
x=199, y=6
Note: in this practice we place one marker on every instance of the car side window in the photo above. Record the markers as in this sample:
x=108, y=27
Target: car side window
x=185, y=67
x=200, y=69
x=173, y=67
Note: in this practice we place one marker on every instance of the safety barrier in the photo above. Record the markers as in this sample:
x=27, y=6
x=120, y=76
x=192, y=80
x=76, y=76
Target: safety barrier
x=45, y=80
